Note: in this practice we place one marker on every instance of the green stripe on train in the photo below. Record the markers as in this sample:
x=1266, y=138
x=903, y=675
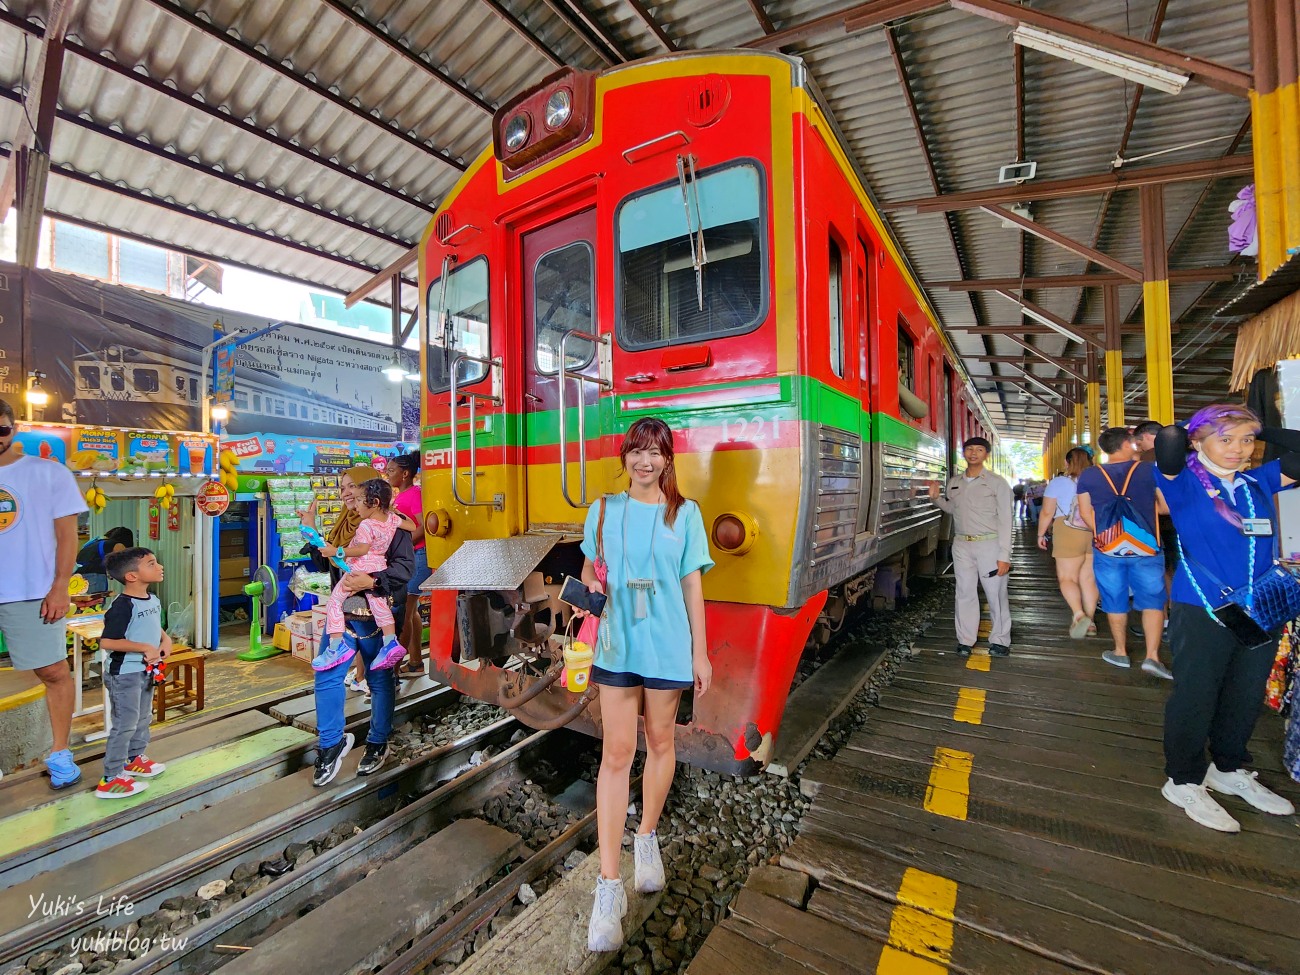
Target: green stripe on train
x=791, y=398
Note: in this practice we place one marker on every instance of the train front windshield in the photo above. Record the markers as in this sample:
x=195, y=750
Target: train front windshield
x=691, y=259
x=458, y=322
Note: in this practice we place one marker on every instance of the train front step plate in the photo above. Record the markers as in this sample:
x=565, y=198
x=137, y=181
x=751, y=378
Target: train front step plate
x=491, y=563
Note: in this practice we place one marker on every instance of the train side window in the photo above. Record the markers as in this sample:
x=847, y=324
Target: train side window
x=315, y=413
x=459, y=325
x=194, y=393
x=909, y=395
x=145, y=380
x=906, y=358
x=695, y=272
x=88, y=377
x=836, y=309
x=564, y=294
x=257, y=402
x=117, y=381
x=293, y=410
x=279, y=407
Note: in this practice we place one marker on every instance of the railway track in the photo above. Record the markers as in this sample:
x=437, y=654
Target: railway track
x=311, y=886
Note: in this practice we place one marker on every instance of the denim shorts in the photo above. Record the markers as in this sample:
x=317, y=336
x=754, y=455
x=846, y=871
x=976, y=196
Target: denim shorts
x=421, y=570
x=622, y=678
x=1141, y=575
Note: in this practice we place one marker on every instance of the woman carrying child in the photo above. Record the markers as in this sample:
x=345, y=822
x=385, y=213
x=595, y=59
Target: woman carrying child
x=365, y=553
x=651, y=542
x=335, y=742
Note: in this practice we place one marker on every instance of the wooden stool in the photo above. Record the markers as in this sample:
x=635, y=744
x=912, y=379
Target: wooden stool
x=183, y=684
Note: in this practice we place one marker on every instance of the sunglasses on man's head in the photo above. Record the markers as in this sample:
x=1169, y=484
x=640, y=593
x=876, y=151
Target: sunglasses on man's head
x=6, y=429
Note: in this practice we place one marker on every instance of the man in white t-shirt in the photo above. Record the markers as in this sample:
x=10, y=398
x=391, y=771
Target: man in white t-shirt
x=39, y=504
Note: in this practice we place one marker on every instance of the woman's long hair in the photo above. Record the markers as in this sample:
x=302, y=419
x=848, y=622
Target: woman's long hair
x=1077, y=460
x=650, y=432
x=1207, y=422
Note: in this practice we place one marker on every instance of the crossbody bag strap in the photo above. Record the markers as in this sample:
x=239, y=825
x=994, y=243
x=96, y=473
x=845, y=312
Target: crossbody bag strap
x=600, y=531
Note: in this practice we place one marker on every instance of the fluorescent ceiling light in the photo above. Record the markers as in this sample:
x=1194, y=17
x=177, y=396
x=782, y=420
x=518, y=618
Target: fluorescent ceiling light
x=1120, y=65
x=1041, y=318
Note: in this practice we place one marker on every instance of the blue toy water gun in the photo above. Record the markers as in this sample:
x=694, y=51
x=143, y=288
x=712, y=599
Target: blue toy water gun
x=314, y=538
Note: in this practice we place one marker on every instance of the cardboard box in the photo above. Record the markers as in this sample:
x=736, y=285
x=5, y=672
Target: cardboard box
x=233, y=568
x=302, y=647
x=280, y=638
x=318, y=620
x=299, y=624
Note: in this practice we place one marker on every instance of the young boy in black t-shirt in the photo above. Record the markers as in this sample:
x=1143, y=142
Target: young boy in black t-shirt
x=136, y=646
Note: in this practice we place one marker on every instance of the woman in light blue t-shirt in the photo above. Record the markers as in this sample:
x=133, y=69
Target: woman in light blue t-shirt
x=655, y=551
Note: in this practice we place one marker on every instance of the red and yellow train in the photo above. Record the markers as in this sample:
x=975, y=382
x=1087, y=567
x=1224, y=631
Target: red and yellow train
x=683, y=237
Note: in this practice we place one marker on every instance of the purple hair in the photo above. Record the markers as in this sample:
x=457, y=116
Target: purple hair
x=1211, y=420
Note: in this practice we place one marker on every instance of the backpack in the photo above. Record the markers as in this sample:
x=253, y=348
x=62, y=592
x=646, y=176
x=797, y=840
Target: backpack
x=1120, y=530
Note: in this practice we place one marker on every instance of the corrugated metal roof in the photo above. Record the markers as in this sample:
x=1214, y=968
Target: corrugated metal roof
x=339, y=124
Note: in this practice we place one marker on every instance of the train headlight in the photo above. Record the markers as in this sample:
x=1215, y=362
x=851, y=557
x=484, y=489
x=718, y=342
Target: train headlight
x=558, y=108
x=437, y=523
x=516, y=132
x=734, y=532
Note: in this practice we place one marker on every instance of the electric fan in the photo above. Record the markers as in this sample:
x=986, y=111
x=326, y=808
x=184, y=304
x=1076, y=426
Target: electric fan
x=263, y=590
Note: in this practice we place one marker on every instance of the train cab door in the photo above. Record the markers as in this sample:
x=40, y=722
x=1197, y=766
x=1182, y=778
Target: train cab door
x=562, y=447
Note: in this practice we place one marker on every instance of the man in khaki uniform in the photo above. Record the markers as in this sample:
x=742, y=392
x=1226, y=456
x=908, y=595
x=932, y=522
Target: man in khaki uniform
x=980, y=503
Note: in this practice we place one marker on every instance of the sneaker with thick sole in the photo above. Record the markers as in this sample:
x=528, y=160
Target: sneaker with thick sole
x=373, y=759
x=337, y=652
x=1246, y=785
x=963, y=650
x=331, y=760
x=649, y=864
x=63, y=770
x=605, y=930
x=119, y=787
x=1155, y=668
x=145, y=767
x=999, y=650
x=1116, y=659
x=390, y=655
x=1079, y=628
x=1200, y=806
x=353, y=684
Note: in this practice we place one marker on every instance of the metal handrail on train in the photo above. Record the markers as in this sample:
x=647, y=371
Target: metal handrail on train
x=496, y=399
x=602, y=380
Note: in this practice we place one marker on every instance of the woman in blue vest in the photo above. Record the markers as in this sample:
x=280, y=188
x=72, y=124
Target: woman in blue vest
x=1226, y=533
x=90, y=560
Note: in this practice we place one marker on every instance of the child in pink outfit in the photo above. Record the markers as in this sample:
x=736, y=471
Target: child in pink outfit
x=366, y=553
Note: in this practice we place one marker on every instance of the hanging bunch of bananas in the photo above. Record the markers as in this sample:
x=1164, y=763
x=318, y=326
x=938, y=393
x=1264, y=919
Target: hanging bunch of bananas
x=226, y=464
x=96, y=499
x=164, y=494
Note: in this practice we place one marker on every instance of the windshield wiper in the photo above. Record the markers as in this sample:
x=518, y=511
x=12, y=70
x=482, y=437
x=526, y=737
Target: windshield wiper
x=699, y=257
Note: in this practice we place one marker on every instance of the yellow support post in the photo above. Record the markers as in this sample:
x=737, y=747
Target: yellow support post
x=1094, y=413
x=1114, y=359
x=1275, y=129
x=1155, y=305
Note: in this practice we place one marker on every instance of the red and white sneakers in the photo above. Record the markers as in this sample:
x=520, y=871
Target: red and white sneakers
x=122, y=787
x=145, y=767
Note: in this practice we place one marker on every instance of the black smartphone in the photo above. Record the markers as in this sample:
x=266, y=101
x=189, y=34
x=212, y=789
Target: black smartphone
x=579, y=596
x=1241, y=626
x=991, y=574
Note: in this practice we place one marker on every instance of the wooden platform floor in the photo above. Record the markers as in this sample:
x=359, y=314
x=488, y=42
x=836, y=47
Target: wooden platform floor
x=1003, y=815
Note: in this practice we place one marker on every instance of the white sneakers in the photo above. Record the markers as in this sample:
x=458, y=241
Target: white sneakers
x=605, y=930
x=1246, y=785
x=1202, y=808
x=649, y=865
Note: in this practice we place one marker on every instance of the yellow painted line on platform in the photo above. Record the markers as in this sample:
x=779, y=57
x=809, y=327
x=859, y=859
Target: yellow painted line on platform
x=985, y=627
x=970, y=706
x=978, y=661
x=921, y=928
x=949, y=788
